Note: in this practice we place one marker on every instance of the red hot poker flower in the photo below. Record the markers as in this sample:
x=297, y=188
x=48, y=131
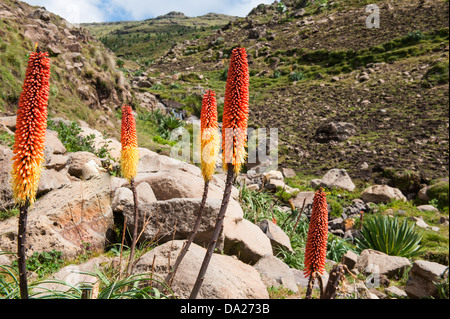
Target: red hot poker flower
x=31, y=125
x=209, y=135
x=130, y=153
x=235, y=112
x=316, y=243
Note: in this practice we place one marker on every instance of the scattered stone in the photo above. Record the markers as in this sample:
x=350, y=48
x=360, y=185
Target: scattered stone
x=277, y=236
x=337, y=178
x=349, y=259
x=302, y=281
x=297, y=201
x=145, y=194
x=288, y=172
x=6, y=194
x=77, y=160
x=334, y=131
x=427, y=208
x=163, y=215
x=57, y=162
x=419, y=222
x=51, y=179
x=275, y=273
x=122, y=197
x=371, y=261
x=90, y=170
x=394, y=290
x=245, y=240
x=422, y=278
x=381, y=194
x=9, y=122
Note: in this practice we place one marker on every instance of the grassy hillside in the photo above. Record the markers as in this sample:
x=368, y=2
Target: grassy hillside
x=85, y=83
x=322, y=64
x=146, y=40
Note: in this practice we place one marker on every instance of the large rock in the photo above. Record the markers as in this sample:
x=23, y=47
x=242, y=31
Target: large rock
x=52, y=143
x=375, y=262
x=277, y=236
x=337, y=178
x=422, y=278
x=77, y=160
x=226, y=277
x=57, y=162
x=51, y=179
x=276, y=273
x=245, y=240
x=350, y=259
x=381, y=194
x=174, y=218
x=307, y=196
x=334, y=131
x=71, y=220
x=9, y=122
x=182, y=183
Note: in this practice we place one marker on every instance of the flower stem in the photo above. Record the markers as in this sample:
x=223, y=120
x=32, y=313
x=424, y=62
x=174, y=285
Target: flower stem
x=215, y=234
x=171, y=275
x=135, y=229
x=21, y=258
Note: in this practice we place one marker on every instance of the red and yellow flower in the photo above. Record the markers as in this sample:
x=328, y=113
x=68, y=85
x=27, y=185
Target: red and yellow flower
x=316, y=243
x=209, y=135
x=235, y=112
x=31, y=124
x=129, y=154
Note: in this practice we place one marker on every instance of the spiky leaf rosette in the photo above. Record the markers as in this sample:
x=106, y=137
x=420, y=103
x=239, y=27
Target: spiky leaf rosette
x=316, y=243
x=209, y=143
x=31, y=124
x=129, y=154
x=235, y=111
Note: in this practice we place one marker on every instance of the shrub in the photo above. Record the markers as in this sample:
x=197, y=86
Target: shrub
x=44, y=263
x=68, y=134
x=120, y=63
x=388, y=235
x=296, y=76
x=337, y=247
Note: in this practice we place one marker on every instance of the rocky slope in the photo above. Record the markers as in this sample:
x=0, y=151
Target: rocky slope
x=372, y=101
x=81, y=210
x=84, y=81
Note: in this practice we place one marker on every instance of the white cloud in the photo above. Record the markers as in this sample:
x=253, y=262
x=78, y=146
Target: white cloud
x=111, y=10
x=139, y=9
x=74, y=11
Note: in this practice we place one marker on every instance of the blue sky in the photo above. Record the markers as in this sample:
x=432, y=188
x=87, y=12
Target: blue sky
x=116, y=10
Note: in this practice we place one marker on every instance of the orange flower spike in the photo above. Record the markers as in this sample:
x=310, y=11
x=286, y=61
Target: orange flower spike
x=129, y=153
x=209, y=135
x=235, y=113
x=316, y=243
x=31, y=124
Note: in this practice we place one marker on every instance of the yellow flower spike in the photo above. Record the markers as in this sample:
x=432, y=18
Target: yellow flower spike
x=129, y=154
x=209, y=135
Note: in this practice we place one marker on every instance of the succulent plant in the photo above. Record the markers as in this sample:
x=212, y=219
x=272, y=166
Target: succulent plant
x=388, y=235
